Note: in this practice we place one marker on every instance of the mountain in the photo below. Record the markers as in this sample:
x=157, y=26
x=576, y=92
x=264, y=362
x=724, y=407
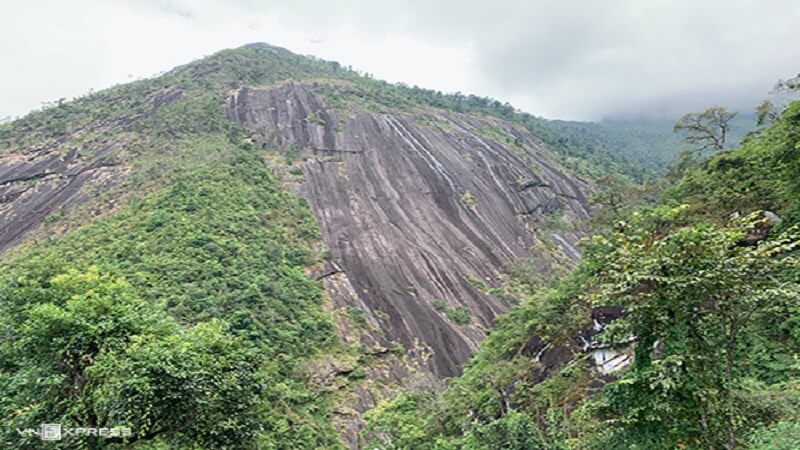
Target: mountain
x=198, y=189
x=256, y=248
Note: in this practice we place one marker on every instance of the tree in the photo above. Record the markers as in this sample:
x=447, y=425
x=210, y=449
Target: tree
x=405, y=422
x=707, y=130
x=782, y=94
x=617, y=196
x=194, y=387
x=611, y=196
x=513, y=431
x=790, y=85
x=693, y=298
x=767, y=113
x=84, y=350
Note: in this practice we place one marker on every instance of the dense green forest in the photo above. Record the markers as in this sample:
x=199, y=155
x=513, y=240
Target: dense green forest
x=645, y=147
x=708, y=288
x=178, y=310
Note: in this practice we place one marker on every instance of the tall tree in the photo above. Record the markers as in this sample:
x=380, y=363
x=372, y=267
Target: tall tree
x=707, y=130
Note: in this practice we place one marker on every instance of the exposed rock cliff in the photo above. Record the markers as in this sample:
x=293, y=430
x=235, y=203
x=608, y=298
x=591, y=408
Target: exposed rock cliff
x=34, y=186
x=421, y=209
x=44, y=174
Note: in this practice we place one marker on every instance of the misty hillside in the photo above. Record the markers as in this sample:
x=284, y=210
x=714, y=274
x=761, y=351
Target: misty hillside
x=647, y=145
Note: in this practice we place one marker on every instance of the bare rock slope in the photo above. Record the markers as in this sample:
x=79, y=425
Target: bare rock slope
x=36, y=185
x=44, y=177
x=421, y=209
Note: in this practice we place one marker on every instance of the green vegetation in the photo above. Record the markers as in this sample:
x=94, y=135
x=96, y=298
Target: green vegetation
x=185, y=312
x=358, y=316
x=84, y=349
x=468, y=199
x=707, y=130
x=184, y=316
x=710, y=305
x=459, y=315
x=316, y=120
x=761, y=175
x=710, y=298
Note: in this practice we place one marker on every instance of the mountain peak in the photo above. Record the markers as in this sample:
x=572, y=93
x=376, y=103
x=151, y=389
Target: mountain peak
x=268, y=47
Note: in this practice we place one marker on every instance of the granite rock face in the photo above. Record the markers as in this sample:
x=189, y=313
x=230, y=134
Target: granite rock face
x=56, y=174
x=35, y=185
x=421, y=210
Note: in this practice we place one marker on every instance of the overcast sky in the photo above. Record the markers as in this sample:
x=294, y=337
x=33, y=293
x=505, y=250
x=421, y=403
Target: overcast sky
x=589, y=59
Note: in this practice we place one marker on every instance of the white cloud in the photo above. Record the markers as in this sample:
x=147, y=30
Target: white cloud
x=568, y=59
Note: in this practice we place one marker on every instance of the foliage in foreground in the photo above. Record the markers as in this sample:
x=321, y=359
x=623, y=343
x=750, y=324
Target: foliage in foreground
x=83, y=349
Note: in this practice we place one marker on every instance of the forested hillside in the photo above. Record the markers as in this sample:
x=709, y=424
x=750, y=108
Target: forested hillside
x=647, y=147
x=253, y=249
x=678, y=329
x=260, y=250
